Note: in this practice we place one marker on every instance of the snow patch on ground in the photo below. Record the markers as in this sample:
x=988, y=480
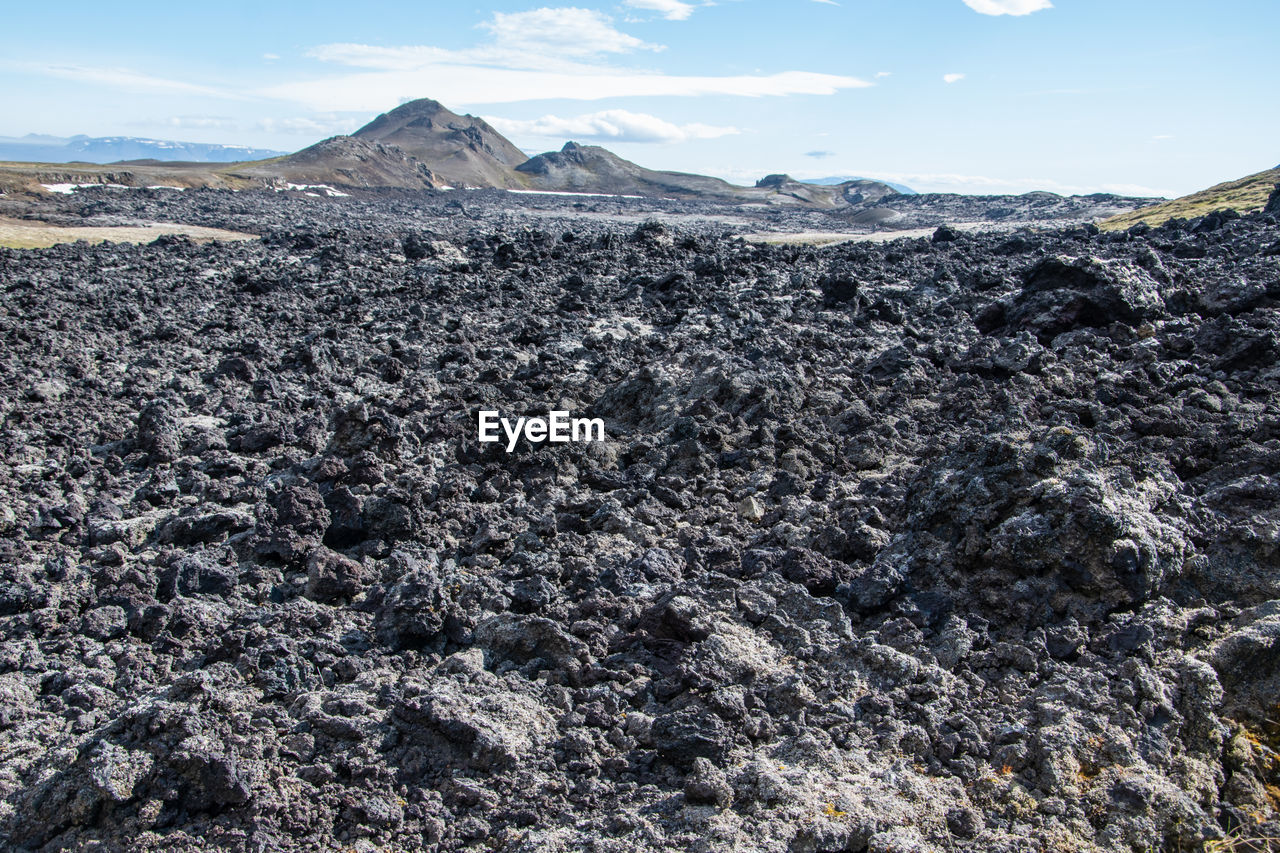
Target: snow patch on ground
x=325, y=188
x=68, y=189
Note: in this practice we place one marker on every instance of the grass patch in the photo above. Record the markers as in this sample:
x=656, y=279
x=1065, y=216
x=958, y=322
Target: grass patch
x=245, y=164
x=1246, y=195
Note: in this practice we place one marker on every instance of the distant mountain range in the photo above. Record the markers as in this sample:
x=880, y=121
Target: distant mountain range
x=38, y=148
x=423, y=145
x=840, y=179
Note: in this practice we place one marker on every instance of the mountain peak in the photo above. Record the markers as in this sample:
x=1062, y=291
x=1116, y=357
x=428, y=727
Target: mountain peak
x=771, y=181
x=423, y=111
x=462, y=150
x=419, y=107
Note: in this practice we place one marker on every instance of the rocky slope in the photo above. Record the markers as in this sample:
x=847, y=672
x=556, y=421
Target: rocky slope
x=344, y=161
x=900, y=211
x=955, y=544
x=590, y=168
x=463, y=150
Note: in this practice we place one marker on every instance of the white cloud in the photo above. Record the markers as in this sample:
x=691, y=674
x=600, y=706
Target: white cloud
x=124, y=79
x=568, y=31
x=1138, y=190
x=538, y=55
x=974, y=183
x=827, y=2
x=391, y=58
x=610, y=126
x=543, y=39
x=1007, y=7
x=321, y=125
x=983, y=185
x=271, y=57
x=202, y=122
x=672, y=10
x=880, y=75
x=952, y=78
x=459, y=86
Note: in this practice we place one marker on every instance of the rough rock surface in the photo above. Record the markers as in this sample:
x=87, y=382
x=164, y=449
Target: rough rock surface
x=898, y=212
x=967, y=543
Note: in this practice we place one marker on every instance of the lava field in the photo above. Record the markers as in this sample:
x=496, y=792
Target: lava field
x=962, y=543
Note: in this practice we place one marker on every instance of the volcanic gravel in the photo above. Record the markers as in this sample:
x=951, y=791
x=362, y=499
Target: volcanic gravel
x=963, y=543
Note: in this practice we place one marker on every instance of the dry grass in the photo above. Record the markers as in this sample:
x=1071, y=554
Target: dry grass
x=26, y=178
x=1243, y=843
x=1246, y=195
x=21, y=234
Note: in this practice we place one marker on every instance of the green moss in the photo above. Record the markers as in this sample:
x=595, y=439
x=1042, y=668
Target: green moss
x=1246, y=195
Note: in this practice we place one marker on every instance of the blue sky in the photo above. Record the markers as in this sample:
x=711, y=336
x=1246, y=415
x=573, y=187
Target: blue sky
x=1139, y=96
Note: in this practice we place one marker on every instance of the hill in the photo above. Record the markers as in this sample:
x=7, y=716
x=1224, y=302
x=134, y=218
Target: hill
x=590, y=168
x=832, y=180
x=1246, y=195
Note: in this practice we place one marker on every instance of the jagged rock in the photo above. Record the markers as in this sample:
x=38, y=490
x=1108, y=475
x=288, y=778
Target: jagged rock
x=900, y=545
x=707, y=784
x=116, y=772
x=1064, y=293
x=414, y=608
x=158, y=432
x=331, y=576
x=684, y=736
x=1273, y=202
x=200, y=573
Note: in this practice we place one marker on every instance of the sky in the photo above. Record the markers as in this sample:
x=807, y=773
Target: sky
x=1146, y=97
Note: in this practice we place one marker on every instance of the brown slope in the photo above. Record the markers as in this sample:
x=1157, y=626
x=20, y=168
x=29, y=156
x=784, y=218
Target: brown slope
x=343, y=161
x=422, y=145
x=462, y=150
x=787, y=189
x=592, y=169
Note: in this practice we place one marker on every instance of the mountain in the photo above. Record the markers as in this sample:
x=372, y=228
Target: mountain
x=843, y=179
x=423, y=145
x=930, y=210
x=347, y=162
x=35, y=148
x=857, y=192
x=462, y=150
x=590, y=168
x=1246, y=195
